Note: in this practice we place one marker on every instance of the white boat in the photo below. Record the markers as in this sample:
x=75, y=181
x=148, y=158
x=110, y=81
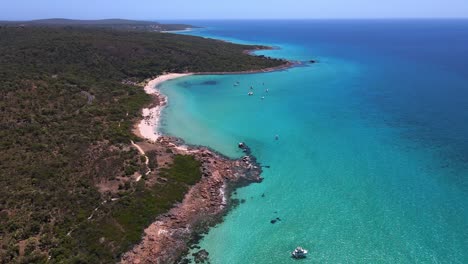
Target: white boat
x=250, y=93
x=299, y=253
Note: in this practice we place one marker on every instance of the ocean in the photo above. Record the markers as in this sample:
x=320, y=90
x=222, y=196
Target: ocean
x=371, y=161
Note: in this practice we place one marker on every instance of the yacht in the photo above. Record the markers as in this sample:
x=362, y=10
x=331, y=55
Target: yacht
x=299, y=253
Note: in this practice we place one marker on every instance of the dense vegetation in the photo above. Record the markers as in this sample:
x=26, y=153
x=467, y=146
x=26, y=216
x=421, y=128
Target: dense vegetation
x=116, y=24
x=68, y=103
x=120, y=225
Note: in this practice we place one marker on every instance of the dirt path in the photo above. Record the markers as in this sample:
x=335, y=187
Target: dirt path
x=142, y=152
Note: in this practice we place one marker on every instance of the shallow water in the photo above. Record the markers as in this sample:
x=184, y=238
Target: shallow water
x=372, y=157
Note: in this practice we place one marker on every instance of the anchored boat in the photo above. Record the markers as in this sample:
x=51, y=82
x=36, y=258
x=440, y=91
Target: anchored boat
x=299, y=253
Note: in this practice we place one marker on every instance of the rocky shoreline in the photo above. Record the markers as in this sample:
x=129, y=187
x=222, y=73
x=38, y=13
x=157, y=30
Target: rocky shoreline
x=168, y=238
x=285, y=66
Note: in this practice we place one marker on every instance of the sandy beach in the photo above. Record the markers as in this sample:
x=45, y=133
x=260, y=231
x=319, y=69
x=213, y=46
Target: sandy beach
x=148, y=126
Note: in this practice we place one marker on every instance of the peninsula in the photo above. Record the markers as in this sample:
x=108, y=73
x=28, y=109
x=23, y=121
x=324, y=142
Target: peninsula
x=78, y=184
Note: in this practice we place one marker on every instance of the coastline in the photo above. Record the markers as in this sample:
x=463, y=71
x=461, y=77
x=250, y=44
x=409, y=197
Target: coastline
x=170, y=236
x=188, y=29
x=287, y=65
x=147, y=127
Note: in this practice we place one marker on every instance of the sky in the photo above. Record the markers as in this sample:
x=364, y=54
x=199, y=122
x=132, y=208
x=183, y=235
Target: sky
x=235, y=9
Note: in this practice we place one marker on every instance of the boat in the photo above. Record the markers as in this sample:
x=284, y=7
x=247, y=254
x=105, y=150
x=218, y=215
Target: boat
x=250, y=93
x=263, y=97
x=299, y=253
x=267, y=90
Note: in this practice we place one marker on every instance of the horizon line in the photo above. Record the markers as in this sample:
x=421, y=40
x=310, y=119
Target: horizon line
x=246, y=19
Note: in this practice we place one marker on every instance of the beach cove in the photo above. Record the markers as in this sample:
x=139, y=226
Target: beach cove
x=167, y=239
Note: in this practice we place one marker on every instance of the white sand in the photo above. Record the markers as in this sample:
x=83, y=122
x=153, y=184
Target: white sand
x=148, y=127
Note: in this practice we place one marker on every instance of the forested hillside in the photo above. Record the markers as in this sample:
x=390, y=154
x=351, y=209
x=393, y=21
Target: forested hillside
x=69, y=99
x=115, y=24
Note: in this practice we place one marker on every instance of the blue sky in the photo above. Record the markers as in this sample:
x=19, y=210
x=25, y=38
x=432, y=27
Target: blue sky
x=237, y=9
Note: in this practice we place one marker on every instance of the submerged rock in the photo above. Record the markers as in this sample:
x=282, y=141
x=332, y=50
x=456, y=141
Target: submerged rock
x=273, y=221
x=195, y=246
x=201, y=256
x=211, y=82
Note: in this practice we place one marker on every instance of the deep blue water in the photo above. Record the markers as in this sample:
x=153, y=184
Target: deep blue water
x=372, y=161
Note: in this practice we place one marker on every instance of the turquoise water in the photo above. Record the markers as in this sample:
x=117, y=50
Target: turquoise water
x=371, y=163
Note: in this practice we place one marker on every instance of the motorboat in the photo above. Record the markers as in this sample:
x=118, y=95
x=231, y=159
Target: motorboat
x=299, y=253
